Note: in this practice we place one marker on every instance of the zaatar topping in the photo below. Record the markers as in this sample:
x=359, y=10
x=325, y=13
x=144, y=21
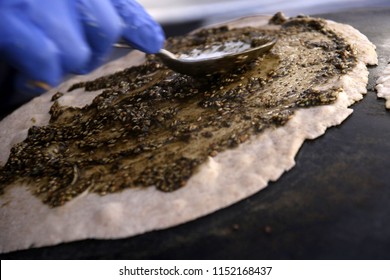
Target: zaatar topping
x=57, y=96
x=278, y=19
x=153, y=127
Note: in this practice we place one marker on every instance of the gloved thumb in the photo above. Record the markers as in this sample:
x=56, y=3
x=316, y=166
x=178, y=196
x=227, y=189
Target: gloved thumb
x=140, y=30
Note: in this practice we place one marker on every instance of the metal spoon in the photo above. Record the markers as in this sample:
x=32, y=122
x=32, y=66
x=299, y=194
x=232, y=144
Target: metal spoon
x=218, y=58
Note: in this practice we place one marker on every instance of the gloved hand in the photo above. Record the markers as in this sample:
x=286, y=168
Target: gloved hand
x=44, y=40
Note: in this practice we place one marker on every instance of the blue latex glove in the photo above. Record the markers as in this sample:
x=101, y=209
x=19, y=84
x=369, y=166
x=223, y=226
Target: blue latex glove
x=44, y=40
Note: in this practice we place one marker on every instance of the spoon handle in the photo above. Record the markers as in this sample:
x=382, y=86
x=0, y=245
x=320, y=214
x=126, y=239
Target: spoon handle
x=162, y=53
x=168, y=58
x=122, y=46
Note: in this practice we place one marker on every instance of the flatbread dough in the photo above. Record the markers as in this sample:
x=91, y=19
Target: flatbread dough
x=383, y=86
x=231, y=176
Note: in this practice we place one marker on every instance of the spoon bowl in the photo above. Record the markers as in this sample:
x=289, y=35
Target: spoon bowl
x=218, y=58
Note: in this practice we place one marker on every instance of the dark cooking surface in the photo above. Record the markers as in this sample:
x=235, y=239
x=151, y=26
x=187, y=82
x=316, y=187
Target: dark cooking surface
x=334, y=204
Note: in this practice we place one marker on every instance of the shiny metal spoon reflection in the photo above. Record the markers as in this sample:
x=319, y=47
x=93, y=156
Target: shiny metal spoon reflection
x=214, y=62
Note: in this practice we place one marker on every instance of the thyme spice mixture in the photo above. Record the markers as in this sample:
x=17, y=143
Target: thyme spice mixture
x=154, y=127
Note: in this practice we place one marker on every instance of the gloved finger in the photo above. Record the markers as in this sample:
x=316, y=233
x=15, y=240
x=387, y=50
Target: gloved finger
x=140, y=30
x=24, y=46
x=102, y=26
x=59, y=21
